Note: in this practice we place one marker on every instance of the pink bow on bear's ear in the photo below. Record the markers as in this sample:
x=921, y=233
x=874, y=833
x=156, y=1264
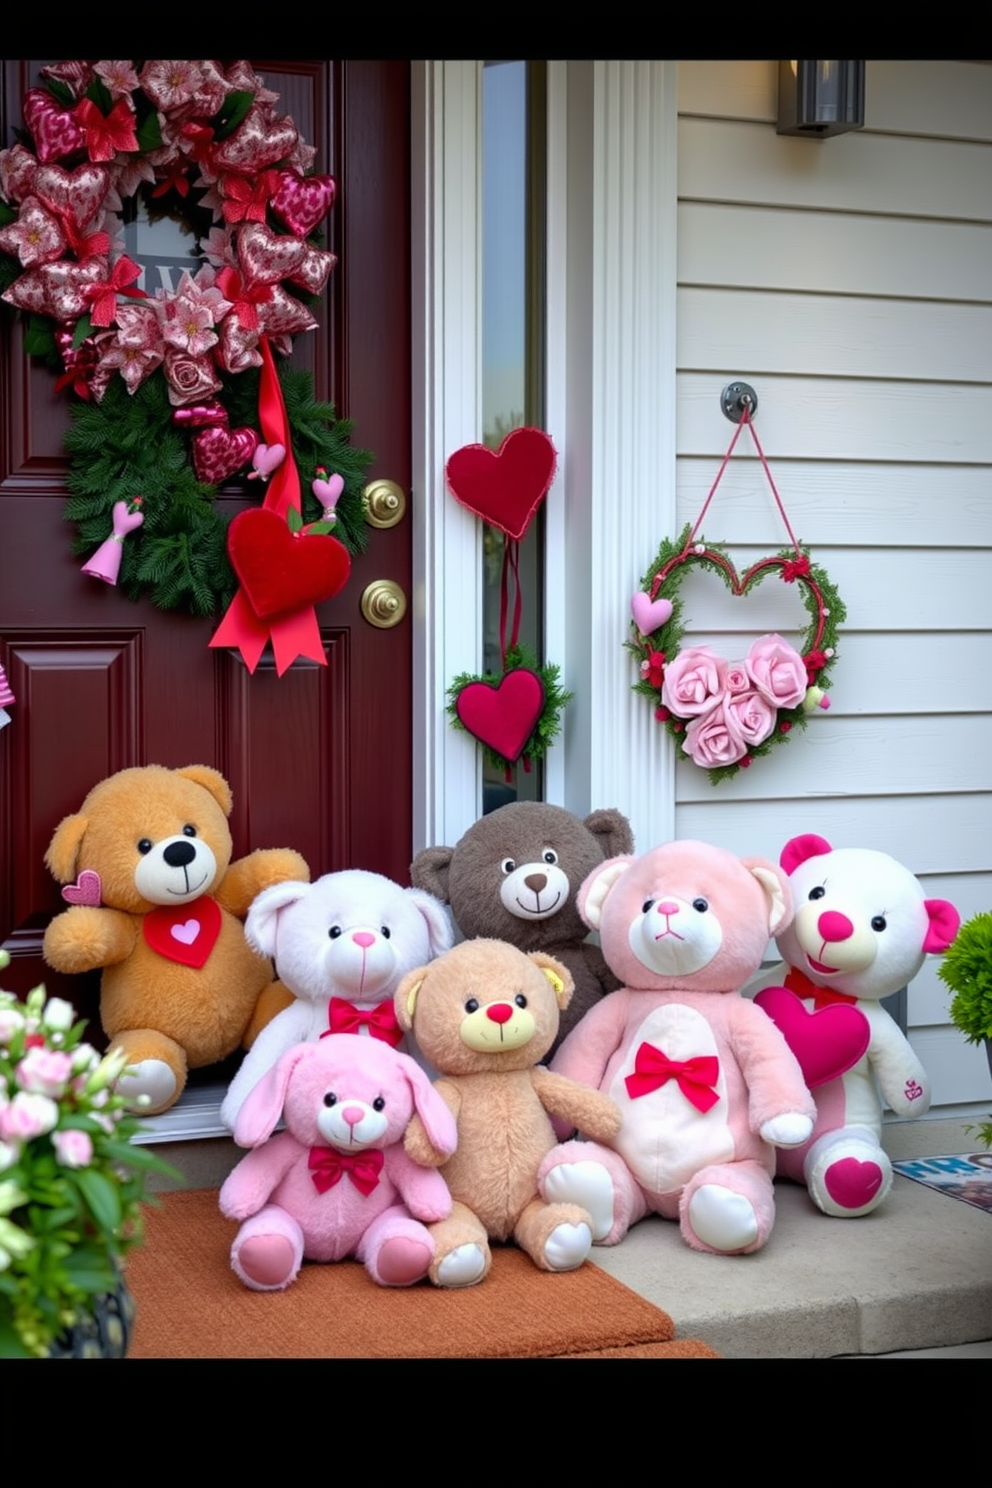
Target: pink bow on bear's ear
x=944, y=925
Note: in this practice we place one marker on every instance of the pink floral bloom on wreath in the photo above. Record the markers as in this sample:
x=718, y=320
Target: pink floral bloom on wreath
x=120, y=77
x=137, y=349
x=218, y=248
x=170, y=85
x=713, y=740
x=18, y=168
x=653, y=668
x=190, y=378
x=777, y=671
x=73, y=1149
x=737, y=679
x=44, y=1071
x=694, y=681
x=751, y=715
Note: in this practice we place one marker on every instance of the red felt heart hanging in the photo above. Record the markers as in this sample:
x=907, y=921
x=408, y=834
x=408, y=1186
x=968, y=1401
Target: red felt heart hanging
x=281, y=571
x=503, y=717
x=506, y=486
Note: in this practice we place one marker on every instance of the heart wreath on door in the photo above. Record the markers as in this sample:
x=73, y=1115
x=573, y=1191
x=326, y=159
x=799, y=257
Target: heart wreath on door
x=514, y=713
x=724, y=714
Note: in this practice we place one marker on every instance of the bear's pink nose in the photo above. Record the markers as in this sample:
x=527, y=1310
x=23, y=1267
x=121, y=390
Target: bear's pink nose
x=352, y=1114
x=363, y=938
x=667, y=907
x=835, y=926
x=500, y=1012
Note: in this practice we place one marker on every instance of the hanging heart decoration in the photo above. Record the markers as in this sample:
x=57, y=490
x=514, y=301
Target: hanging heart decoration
x=281, y=570
x=514, y=713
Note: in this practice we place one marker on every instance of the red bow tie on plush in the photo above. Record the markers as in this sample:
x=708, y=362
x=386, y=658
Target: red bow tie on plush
x=344, y=1017
x=328, y=1167
x=696, y=1077
x=798, y=982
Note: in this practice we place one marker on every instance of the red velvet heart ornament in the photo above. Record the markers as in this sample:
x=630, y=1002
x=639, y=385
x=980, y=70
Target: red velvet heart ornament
x=503, y=717
x=826, y=1042
x=506, y=486
x=280, y=570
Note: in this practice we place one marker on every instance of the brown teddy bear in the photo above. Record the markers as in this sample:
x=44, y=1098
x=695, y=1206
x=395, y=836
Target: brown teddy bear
x=157, y=903
x=515, y=876
x=484, y=1014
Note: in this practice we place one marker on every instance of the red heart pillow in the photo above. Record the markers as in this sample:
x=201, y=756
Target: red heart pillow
x=506, y=486
x=504, y=717
x=281, y=570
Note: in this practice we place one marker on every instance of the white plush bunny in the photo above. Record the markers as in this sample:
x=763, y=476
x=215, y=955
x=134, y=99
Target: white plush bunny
x=341, y=946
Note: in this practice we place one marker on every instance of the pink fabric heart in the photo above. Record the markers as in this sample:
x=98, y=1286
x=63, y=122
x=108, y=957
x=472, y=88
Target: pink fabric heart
x=503, y=717
x=267, y=457
x=56, y=133
x=650, y=614
x=327, y=492
x=86, y=890
x=186, y=933
x=826, y=1042
x=851, y=1183
x=300, y=202
x=219, y=452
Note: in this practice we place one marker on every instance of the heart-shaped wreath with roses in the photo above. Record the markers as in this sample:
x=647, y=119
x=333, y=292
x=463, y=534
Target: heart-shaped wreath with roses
x=724, y=714
x=167, y=386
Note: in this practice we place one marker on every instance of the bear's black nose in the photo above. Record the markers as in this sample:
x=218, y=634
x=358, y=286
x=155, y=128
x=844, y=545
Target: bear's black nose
x=178, y=854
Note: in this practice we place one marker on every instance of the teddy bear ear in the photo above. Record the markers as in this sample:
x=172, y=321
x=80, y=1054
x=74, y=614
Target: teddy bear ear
x=593, y=892
x=798, y=849
x=557, y=974
x=212, y=781
x=776, y=889
x=429, y=871
x=405, y=998
x=612, y=830
x=945, y=922
x=440, y=935
x=63, y=849
x=263, y=917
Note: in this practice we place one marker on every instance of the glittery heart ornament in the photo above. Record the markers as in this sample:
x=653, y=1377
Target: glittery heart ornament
x=504, y=487
x=56, y=133
x=503, y=717
x=260, y=140
x=280, y=570
x=265, y=257
x=57, y=289
x=78, y=194
x=219, y=452
x=301, y=201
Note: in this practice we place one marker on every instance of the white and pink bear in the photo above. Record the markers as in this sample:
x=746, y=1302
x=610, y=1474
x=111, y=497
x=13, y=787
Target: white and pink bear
x=706, y=1083
x=862, y=929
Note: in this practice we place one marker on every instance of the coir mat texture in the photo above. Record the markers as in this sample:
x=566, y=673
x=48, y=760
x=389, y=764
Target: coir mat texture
x=191, y=1305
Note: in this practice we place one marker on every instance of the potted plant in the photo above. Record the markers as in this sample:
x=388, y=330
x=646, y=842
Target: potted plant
x=71, y=1185
x=967, y=969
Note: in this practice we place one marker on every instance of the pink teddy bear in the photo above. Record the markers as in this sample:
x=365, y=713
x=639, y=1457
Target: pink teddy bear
x=338, y=1182
x=706, y=1085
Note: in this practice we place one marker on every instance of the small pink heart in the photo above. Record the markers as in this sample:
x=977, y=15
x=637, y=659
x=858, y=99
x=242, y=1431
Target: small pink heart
x=187, y=933
x=267, y=457
x=851, y=1183
x=826, y=1042
x=86, y=890
x=327, y=492
x=650, y=614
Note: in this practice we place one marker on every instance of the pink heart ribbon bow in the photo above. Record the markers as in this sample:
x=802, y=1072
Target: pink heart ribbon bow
x=345, y=1017
x=695, y=1077
x=328, y=1167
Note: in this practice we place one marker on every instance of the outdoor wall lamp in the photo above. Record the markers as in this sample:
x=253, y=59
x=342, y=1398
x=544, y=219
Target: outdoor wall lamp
x=817, y=99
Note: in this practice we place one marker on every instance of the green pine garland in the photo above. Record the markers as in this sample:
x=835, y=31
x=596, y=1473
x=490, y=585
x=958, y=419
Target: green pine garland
x=548, y=726
x=126, y=446
x=668, y=638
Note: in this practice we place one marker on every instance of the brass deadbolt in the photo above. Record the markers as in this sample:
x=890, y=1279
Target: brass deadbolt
x=384, y=503
x=383, y=604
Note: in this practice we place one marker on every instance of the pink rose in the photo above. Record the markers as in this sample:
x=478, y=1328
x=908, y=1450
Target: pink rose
x=713, y=740
x=751, y=715
x=44, y=1071
x=777, y=671
x=73, y=1148
x=190, y=379
x=28, y=1116
x=737, y=679
x=694, y=681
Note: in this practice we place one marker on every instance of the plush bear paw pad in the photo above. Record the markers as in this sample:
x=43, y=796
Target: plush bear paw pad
x=567, y=1246
x=587, y=1184
x=721, y=1218
x=850, y=1180
x=267, y=1261
x=150, y=1077
x=463, y=1267
x=402, y=1261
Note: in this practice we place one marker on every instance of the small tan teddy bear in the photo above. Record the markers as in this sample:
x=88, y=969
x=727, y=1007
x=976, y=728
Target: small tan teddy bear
x=157, y=903
x=484, y=1014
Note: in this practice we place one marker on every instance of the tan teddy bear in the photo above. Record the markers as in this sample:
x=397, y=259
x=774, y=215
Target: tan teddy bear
x=157, y=903
x=484, y=1014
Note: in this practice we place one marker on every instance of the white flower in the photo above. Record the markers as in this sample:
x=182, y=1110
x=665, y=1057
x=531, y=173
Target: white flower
x=9, y=1153
x=10, y=1023
x=59, y=1014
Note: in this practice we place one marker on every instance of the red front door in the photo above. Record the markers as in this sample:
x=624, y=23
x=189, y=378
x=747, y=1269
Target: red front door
x=318, y=759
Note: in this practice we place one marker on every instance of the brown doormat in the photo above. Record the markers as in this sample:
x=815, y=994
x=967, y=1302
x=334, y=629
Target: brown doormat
x=190, y=1305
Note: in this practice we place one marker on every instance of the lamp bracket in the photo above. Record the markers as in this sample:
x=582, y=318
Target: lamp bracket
x=735, y=397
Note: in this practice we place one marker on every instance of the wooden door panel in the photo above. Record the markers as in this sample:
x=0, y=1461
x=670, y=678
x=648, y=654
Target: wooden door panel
x=318, y=759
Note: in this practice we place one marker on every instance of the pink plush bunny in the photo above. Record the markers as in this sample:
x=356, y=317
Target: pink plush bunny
x=338, y=1182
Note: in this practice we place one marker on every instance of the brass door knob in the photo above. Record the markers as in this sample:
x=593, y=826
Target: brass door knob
x=384, y=503
x=383, y=604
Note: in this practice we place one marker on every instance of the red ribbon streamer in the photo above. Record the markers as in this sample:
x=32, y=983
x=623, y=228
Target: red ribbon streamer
x=345, y=1017
x=295, y=633
x=328, y=1167
x=695, y=1077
